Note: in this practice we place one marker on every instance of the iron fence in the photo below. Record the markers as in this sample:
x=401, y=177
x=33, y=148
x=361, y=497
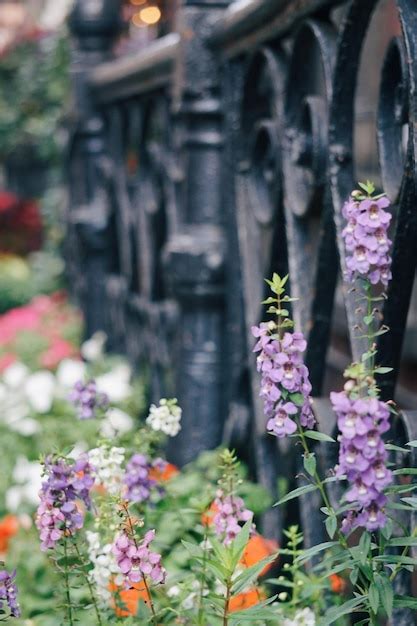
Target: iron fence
x=224, y=152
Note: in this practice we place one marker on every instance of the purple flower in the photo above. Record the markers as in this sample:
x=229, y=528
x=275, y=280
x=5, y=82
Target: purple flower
x=88, y=400
x=285, y=385
x=136, y=561
x=138, y=478
x=66, y=487
x=8, y=593
x=363, y=458
x=366, y=240
x=230, y=511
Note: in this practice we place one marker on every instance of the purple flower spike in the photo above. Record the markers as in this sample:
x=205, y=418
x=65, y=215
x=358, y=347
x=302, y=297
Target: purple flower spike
x=283, y=373
x=139, y=483
x=366, y=240
x=136, y=561
x=66, y=487
x=230, y=512
x=8, y=593
x=363, y=458
x=88, y=400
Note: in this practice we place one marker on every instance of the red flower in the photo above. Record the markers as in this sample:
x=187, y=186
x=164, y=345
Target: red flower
x=59, y=350
x=9, y=526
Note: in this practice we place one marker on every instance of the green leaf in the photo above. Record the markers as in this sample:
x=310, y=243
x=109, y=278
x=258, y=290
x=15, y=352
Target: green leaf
x=399, y=542
x=392, y=447
x=413, y=443
x=405, y=471
x=411, y=501
x=368, y=319
x=269, y=301
x=249, y=575
x=297, y=398
x=314, y=434
x=335, y=612
x=296, y=493
x=388, y=529
x=383, y=370
x=195, y=550
x=308, y=554
x=310, y=464
x=386, y=592
x=395, y=558
x=331, y=525
x=405, y=602
x=364, y=547
x=373, y=595
x=240, y=542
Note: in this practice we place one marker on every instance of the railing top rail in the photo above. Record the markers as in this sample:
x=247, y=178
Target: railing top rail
x=246, y=23
x=145, y=71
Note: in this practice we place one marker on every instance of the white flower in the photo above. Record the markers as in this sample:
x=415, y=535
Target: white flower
x=116, y=384
x=70, y=372
x=107, y=463
x=93, y=348
x=15, y=375
x=79, y=448
x=39, y=390
x=304, y=617
x=116, y=422
x=28, y=476
x=174, y=591
x=26, y=426
x=105, y=566
x=166, y=417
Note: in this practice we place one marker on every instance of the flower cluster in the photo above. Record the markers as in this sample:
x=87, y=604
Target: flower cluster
x=107, y=467
x=8, y=593
x=88, y=400
x=166, y=417
x=285, y=385
x=136, y=561
x=59, y=512
x=366, y=239
x=230, y=511
x=304, y=617
x=362, y=458
x=105, y=570
x=45, y=322
x=138, y=477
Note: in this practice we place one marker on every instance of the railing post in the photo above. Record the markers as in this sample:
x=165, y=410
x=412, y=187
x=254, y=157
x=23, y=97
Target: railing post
x=94, y=25
x=195, y=256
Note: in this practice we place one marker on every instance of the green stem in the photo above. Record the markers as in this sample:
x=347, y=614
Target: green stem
x=67, y=585
x=90, y=588
x=200, y=618
x=226, y=604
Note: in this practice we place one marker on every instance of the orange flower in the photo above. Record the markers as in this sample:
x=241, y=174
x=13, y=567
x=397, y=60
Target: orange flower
x=207, y=517
x=259, y=548
x=9, y=526
x=247, y=599
x=128, y=598
x=165, y=474
x=337, y=583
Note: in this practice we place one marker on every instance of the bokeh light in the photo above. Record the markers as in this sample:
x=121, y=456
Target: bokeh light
x=150, y=15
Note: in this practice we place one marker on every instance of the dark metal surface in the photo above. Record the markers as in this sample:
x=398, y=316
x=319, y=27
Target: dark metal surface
x=214, y=157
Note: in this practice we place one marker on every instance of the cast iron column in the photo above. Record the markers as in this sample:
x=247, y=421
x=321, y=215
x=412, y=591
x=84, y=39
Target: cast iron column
x=94, y=25
x=195, y=256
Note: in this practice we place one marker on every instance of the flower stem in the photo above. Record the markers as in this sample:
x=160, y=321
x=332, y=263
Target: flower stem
x=90, y=588
x=226, y=603
x=67, y=585
x=151, y=604
x=200, y=618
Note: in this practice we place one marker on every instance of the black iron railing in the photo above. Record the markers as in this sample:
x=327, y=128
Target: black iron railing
x=224, y=152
